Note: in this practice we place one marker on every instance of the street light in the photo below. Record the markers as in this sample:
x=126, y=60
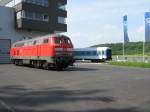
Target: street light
x=143, y=51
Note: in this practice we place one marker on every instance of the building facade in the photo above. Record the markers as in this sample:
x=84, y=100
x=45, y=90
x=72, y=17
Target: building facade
x=47, y=16
x=147, y=27
x=7, y=33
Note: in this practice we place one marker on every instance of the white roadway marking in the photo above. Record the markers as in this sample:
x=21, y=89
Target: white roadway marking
x=6, y=106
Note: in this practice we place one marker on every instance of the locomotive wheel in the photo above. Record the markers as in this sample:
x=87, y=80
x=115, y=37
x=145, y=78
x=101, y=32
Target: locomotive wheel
x=31, y=64
x=37, y=64
x=20, y=62
x=16, y=62
x=59, y=67
x=45, y=66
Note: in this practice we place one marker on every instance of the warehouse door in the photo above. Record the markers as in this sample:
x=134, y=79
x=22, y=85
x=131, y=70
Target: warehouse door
x=5, y=45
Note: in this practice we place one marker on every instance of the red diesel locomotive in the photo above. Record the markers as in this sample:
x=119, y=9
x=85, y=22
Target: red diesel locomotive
x=44, y=52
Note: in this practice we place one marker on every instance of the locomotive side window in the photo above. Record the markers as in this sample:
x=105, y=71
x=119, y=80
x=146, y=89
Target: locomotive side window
x=19, y=44
x=34, y=43
x=14, y=45
x=46, y=41
x=30, y=43
x=39, y=42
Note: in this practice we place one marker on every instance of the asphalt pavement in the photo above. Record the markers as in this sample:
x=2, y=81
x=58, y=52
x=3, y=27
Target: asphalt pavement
x=85, y=87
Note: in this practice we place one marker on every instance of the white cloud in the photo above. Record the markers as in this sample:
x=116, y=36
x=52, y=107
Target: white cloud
x=106, y=34
x=141, y=30
x=100, y=21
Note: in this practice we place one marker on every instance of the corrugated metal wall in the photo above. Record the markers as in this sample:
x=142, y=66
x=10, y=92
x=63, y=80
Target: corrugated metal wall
x=7, y=33
x=5, y=45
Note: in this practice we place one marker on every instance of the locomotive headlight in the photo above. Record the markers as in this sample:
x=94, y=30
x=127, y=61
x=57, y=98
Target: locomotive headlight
x=58, y=49
x=64, y=51
x=70, y=49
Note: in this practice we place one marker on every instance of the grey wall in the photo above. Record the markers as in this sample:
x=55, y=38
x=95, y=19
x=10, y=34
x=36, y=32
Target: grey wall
x=7, y=23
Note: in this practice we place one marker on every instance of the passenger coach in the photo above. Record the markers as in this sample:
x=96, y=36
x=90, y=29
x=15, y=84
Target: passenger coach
x=98, y=54
x=44, y=52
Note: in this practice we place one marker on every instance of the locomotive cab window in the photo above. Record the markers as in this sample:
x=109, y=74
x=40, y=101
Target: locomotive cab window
x=58, y=40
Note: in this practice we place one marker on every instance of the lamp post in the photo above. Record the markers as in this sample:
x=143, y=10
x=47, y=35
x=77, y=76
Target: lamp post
x=123, y=50
x=143, y=51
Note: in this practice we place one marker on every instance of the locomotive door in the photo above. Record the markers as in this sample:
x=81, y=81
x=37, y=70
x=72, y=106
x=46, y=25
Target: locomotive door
x=5, y=45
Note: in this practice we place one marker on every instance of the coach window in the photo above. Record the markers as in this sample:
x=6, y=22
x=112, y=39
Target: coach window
x=77, y=53
x=94, y=53
x=83, y=53
x=103, y=53
x=99, y=53
x=88, y=53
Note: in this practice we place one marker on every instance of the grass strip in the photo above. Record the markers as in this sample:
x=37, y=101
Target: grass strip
x=131, y=64
x=133, y=56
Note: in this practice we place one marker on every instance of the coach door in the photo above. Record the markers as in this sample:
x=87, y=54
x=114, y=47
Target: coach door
x=5, y=45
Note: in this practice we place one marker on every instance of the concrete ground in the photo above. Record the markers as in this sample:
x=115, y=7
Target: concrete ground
x=83, y=88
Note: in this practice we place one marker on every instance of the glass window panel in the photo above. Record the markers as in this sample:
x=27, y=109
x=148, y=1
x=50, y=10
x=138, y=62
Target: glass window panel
x=62, y=20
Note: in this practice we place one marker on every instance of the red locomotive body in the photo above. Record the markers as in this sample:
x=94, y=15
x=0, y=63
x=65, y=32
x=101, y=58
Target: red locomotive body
x=45, y=52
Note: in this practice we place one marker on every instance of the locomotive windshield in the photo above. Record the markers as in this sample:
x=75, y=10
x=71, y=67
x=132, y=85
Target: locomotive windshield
x=67, y=40
x=63, y=39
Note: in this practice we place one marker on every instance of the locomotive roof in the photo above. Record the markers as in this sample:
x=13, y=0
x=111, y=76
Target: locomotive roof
x=38, y=38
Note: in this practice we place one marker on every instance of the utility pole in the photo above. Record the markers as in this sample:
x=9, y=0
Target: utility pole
x=123, y=45
x=143, y=51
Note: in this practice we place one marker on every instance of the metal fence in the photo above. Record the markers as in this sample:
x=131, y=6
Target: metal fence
x=132, y=59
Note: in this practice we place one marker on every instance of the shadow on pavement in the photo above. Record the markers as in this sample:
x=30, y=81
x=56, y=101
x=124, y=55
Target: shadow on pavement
x=22, y=99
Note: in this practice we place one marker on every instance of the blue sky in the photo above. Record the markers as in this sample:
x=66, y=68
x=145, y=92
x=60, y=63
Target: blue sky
x=93, y=22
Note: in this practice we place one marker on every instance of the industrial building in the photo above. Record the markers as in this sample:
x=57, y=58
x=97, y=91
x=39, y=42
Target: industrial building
x=7, y=32
x=39, y=15
x=21, y=19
